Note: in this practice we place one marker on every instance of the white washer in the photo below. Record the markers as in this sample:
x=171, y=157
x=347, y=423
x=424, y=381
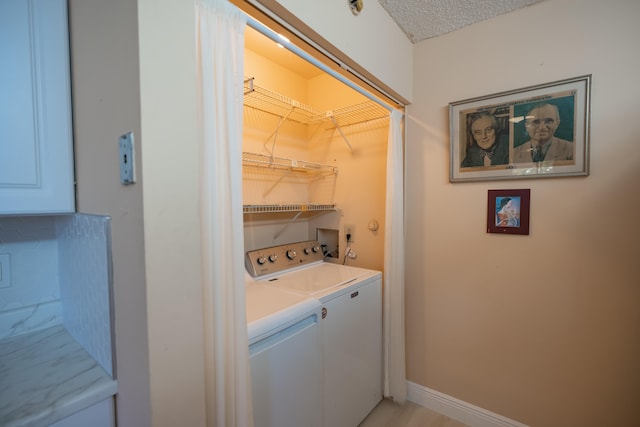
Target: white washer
x=350, y=325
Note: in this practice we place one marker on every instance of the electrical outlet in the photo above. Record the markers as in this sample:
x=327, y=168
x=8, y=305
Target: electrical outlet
x=349, y=229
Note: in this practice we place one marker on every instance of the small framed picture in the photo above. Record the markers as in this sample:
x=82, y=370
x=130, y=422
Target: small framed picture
x=534, y=132
x=508, y=211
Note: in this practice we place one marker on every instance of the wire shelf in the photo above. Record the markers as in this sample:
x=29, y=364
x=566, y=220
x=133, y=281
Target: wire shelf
x=267, y=101
x=261, y=160
x=271, y=102
x=355, y=114
x=295, y=207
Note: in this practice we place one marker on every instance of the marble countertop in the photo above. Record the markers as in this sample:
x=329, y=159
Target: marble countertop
x=46, y=376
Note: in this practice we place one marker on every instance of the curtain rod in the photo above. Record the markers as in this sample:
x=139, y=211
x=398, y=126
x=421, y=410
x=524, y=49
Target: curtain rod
x=260, y=27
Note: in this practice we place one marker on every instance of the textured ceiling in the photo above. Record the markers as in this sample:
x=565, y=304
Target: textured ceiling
x=423, y=19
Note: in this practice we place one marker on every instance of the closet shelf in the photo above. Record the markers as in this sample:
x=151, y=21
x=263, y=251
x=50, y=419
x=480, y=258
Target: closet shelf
x=271, y=102
x=309, y=170
x=354, y=114
x=267, y=101
x=283, y=163
x=295, y=207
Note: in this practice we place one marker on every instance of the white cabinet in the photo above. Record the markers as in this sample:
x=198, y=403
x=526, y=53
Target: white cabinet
x=36, y=150
x=351, y=333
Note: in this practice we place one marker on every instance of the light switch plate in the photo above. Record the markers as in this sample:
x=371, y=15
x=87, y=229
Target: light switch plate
x=127, y=159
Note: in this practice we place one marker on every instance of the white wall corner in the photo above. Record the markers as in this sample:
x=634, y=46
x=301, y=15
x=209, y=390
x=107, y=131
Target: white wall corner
x=457, y=409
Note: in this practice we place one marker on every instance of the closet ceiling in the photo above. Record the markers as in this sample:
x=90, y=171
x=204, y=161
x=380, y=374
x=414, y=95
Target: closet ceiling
x=423, y=19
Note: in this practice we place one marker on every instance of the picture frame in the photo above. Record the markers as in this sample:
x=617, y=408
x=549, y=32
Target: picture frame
x=508, y=211
x=533, y=132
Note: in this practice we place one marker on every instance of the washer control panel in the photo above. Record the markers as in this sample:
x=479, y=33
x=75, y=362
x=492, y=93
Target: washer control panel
x=274, y=259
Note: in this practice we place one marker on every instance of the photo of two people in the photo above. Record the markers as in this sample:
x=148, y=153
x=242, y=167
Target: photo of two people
x=532, y=132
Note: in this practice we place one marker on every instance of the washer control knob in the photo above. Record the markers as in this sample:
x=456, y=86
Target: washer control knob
x=307, y=251
x=273, y=258
x=291, y=254
x=261, y=259
x=316, y=249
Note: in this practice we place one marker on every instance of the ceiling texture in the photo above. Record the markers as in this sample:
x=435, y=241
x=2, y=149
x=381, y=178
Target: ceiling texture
x=423, y=19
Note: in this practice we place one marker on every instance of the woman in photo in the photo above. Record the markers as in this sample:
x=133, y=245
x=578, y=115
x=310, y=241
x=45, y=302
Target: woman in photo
x=488, y=147
x=508, y=214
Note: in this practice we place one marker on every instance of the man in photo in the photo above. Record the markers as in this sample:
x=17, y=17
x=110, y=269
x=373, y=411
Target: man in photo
x=541, y=123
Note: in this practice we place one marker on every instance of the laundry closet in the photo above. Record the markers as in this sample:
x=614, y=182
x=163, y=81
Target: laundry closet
x=313, y=178
x=314, y=158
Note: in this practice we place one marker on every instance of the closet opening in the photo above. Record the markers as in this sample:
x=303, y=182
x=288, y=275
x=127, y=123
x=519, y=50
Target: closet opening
x=314, y=151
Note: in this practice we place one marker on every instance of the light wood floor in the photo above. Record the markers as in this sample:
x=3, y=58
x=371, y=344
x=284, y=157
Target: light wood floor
x=389, y=414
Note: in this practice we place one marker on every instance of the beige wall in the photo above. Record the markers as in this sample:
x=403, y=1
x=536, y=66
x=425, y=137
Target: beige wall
x=361, y=184
x=551, y=345
x=106, y=104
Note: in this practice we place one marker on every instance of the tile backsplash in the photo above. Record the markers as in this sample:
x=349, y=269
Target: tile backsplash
x=30, y=298
x=60, y=272
x=84, y=260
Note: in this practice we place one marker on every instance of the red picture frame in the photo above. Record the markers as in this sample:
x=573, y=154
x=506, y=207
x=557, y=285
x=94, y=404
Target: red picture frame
x=508, y=211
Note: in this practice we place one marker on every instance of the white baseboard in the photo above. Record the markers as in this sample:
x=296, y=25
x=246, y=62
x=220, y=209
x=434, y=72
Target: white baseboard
x=457, y=409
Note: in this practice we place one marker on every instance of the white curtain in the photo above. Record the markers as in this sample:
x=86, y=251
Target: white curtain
x=394, y=370
x=220, y=50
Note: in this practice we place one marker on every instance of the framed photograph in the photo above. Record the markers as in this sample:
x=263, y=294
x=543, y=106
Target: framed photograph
x=533, y=132
x=508, y=211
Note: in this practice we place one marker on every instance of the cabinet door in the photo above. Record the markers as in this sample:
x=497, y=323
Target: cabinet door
x=36, y=155
x=352, y=345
